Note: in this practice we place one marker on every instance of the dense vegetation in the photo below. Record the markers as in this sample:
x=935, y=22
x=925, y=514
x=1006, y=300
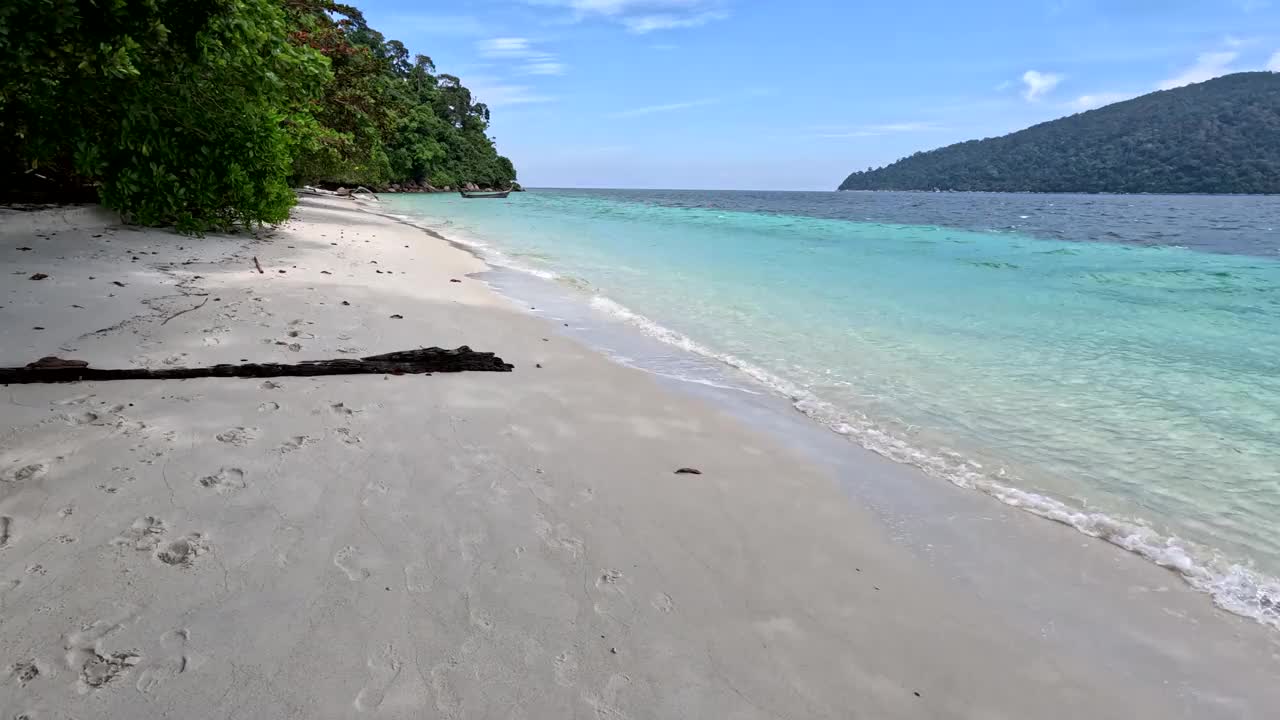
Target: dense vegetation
x=204, y=114
x=1220, y=136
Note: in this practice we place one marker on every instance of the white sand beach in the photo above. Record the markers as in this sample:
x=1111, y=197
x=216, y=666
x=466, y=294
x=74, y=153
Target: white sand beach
x=496, y=545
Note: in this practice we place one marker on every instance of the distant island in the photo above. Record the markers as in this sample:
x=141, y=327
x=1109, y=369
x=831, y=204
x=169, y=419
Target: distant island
x=1219, y=136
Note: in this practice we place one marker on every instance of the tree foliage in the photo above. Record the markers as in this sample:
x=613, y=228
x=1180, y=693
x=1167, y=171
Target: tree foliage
x=387, y=117
x=1218, y=136
x=201, y=114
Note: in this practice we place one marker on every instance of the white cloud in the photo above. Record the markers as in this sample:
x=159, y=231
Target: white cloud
x=1235, y=41
x=534, y=61
x=543, y=67
x=644, y=16
x=496, y=93
x=669, y=107
x=1037, y=84
x=505, y=47
x=1274, y=63
x=624, y=7
x=1097, y=100
x=1207, y=66
x=905, y=127
x=641, y=24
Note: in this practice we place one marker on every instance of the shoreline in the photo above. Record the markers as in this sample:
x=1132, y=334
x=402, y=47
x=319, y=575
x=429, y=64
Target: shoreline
x=471, y=545
x=1232, y=584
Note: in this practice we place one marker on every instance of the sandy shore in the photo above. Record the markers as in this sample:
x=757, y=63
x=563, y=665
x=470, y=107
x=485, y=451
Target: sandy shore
x=489, y=545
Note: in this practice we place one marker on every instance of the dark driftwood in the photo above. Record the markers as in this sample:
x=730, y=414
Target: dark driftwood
x=406, y=362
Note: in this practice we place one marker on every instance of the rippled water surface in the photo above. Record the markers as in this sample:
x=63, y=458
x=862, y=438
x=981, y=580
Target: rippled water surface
x=1112, y=362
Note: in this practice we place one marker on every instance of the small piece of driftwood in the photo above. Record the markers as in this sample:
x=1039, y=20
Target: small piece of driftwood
x=405, y=362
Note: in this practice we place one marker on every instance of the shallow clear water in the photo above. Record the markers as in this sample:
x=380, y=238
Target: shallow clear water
x=1111, y=362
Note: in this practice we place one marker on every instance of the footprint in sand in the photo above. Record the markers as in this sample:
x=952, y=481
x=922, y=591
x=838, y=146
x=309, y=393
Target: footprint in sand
x=88, y=417
x=606, y=703
x=481, y=620
x=566, y=669
x=662, y=602
x=184, y=551
x=226, y=480
x=558, y=537
x=350, y=561
x=24, y=671
x=610, y=584
x=268, y=407
x=238, y=436
x=87, y=656
x=6, y=532
x=342, y=409
x=174, y=641
x=373, y=490
x=447, y=701
x=347, y=436
x=297, y=442
x=144, y=534
x=26, y=473
x=384, y=668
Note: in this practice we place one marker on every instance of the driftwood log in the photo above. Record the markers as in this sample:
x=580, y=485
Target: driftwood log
x=406, y=362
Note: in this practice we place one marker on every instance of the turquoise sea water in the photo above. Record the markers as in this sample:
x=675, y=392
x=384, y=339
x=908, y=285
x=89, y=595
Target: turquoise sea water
x=1112, y=363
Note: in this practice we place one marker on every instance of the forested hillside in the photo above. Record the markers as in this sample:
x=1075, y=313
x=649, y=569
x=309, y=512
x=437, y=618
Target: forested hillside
x=204, y=114
x=1220, y=136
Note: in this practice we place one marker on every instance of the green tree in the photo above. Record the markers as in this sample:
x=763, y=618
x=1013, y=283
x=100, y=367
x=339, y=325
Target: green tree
x=177, y=110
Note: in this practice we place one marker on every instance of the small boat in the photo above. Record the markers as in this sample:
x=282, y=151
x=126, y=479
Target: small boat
x=497, y=194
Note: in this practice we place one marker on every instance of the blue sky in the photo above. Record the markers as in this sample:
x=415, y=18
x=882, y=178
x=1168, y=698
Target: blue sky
x=796, y=94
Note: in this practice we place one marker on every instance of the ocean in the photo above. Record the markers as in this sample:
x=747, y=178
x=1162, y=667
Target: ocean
x=1109, y=362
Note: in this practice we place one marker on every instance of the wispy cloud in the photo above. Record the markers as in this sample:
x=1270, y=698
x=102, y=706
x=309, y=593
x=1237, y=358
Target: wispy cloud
x=863, y=131
x=663, y=46
x=643, y=16
x=543, y=67
x=1036, y=84
x=669, y=107
x=1208, y=65
x=498, y=93
x=641, y=24
x=532, y=61
x=906, y=127
x=1097, y=100
x=1235, y=41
